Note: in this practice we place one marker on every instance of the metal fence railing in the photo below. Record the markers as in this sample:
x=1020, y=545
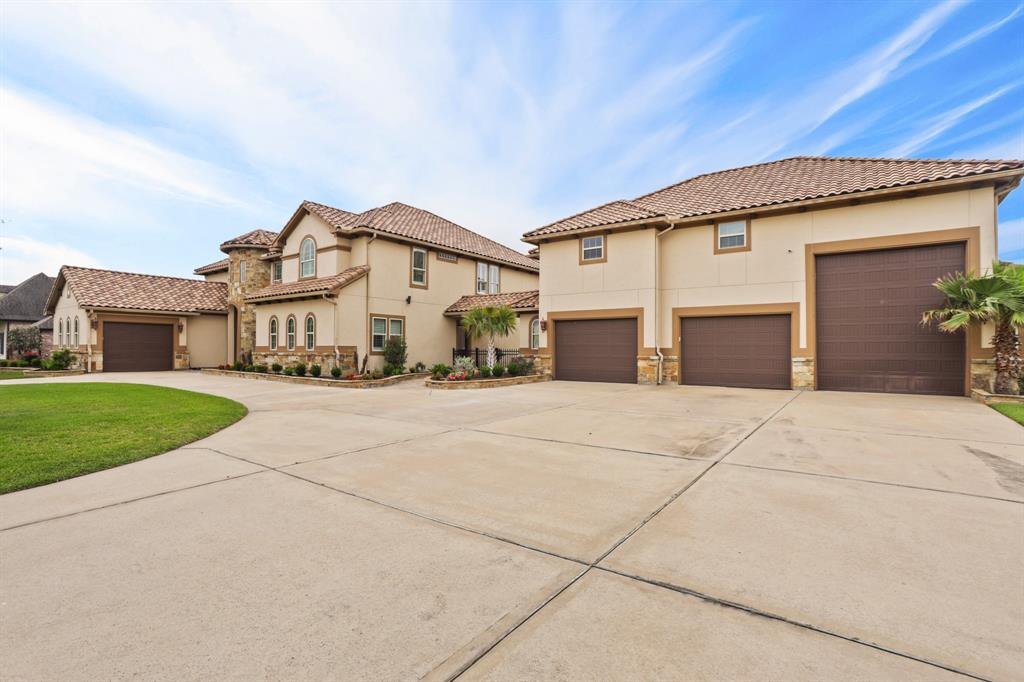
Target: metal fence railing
x=479, y=355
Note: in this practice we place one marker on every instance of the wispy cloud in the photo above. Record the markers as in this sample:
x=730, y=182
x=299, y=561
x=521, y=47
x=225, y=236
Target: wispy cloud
x=21, y=257
x=965, y=41
x=1011, y=239
x=945, y=121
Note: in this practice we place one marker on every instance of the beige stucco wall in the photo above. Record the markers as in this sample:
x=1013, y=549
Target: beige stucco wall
x=326, y=322
x=67, y=308
x=773, y=271
x=221, y=276
x=207, y=337
x=328, y=262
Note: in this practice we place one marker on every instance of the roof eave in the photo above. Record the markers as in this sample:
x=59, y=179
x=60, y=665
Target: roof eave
x=368, y=231
x=141, y=311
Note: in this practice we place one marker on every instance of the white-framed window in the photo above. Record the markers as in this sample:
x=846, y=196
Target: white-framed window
x=488, y=279
x=310, y=332
x=273, y=333
x=67, y=330
x=241, y=272
x=290, y=333
x=418, y=276
x=732, y=235
x=75, y=344
x=60, y=332
x=535, y=333
x=592, y=248
x=307, y=258
x=276, y=270
x=384, y=328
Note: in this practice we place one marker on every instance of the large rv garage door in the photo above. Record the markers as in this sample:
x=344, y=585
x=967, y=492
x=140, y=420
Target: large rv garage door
x=748, y=351
x=596, y=350
x=133, y=347
x=870, y=336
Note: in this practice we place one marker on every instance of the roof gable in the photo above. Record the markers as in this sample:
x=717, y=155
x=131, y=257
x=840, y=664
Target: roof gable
x=94, y=288
x=27, y=301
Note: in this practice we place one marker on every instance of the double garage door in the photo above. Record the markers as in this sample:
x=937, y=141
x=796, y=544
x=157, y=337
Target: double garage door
x=867, y=322
x=134, y=347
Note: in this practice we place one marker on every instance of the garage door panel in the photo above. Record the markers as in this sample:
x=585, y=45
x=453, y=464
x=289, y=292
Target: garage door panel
x=869, y=336
x=743, y=351
x=596, y=350
x=136, y=347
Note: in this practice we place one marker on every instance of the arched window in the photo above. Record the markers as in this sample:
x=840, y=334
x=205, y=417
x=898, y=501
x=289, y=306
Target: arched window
x=535, y=333
x=310, y=332
x=67, y=330
x=60, y=332
x=76, y=333
x=290, y=333
x=273, y=333
x=307, y=258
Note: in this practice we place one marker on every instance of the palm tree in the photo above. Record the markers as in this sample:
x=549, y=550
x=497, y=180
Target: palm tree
x=998, y=298
x=489, y=321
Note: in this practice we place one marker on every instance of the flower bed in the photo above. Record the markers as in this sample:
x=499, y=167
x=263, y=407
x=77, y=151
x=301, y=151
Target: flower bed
x=487, y=383
x=319, y=381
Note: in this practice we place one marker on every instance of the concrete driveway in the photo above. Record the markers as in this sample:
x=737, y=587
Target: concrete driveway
x=548, y=531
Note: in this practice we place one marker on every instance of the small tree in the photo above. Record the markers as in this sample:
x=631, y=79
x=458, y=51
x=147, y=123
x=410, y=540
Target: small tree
x=490, y=321
x=23, y=340
x=395, y=352
x=998, y=298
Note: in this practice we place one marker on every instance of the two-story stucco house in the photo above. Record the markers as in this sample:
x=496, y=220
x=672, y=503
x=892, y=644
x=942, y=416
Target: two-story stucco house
x=807, y=272
x=332, y=286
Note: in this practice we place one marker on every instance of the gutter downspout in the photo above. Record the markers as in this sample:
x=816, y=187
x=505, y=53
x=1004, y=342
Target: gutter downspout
x=334, y=326
x=366, y=304
x=657, y=298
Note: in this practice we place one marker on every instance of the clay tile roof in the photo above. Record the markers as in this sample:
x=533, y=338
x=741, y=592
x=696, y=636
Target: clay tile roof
x=130, y=291
x=309, y=287
x=517, y=300
x=773, y=183
x=260, y=239
x=216, y=266
x=410, y=222
x=27, y=301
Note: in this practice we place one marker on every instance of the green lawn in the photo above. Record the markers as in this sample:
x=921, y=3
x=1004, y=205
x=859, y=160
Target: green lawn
x=1011, y=410
x=49, y=432
x=12, y=375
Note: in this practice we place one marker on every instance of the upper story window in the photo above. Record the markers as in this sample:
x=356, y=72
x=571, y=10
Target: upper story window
x=418, y=264
x=241, y=272
x=273, y=333
x=276, y=268
x=592, y=249
x=307, y=258
x=488, y=279
x=535, y=333
x=732, y=236
x=310, y=332
x=290, y=333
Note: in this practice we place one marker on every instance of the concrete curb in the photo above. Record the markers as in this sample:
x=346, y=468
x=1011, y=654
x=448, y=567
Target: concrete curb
x=486, y=383
x=318, y=381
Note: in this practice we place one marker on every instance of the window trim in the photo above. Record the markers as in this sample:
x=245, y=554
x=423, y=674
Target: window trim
x=67, y=332
x=60, y=332
x=487, y=282
x=307, y=238
x=76, y=344
x=241, y=272
x=412, y=268
x=310, y=317
x=495, y=281
x=532, y=344
x=273, y=329
x=289, y=332
x=276, y=271
x=604, y=249
x=732, y=249
x=388, y=319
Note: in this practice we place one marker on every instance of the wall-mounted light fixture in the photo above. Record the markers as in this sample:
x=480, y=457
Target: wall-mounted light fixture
x=543, y=325
x=408, y=300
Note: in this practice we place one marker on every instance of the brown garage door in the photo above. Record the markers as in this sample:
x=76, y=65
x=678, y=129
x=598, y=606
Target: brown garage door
x=132, y=347
x=748, y=351
x=596, y=350
x=869, y=307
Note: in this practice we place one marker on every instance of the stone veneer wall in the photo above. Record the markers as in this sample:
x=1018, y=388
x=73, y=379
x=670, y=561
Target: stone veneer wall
x=257, y=276
x=348, y=361
x=983, y=374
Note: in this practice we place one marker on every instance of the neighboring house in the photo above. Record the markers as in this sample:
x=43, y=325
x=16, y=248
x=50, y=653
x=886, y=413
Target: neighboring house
x=22, y=306
x=333, y=286
x=122, y=321
x=6, y=289
x=525, y=340
x=807, y=272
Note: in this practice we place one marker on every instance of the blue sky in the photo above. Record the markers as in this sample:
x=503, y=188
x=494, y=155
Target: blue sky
x=139, y=136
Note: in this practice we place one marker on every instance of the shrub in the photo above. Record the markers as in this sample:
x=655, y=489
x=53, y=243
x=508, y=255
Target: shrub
x=24, y=341
x=238, y=366
x=259, y=369
x=440, y=371
x=3, y=363
x=61, y=359
x=419, y=367
x=498, y=370
x=485, y=372
x=299, y=369
x=335, y=372
x=24, y=363
x=377, y=374
x=514, y=369
x=527, y=366
x=289, y=371
x=249, y=368
x=458, y=375
x=276, y=367
x=314, y=370
x=395, y=352
x=465, y=365
x=392, y=370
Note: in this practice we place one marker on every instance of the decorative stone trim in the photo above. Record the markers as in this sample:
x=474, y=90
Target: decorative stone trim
x=983, y=396
x=803, y=374
x=487, y=383
x=319, y=381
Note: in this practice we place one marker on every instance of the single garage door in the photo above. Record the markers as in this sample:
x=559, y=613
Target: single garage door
x=870, y=336
x=596, y=350
x=746, y=351
x=133, y=347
